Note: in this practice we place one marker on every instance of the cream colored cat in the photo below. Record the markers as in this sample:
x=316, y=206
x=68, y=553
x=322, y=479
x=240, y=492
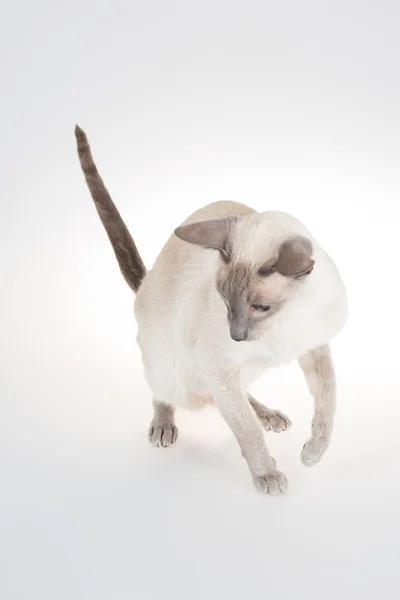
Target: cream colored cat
x=232, y=293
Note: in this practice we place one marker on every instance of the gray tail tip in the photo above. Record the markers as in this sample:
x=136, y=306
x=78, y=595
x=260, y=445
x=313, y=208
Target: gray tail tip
x=80, y=134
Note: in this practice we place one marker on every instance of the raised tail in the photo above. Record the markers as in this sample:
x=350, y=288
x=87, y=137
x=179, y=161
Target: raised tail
x=128, y=257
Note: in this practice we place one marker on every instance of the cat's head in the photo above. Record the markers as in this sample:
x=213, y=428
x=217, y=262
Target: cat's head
x=264, y=263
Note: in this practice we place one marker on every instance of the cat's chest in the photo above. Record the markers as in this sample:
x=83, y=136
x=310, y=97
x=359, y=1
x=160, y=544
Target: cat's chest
x=283, y=343
x=262, y=354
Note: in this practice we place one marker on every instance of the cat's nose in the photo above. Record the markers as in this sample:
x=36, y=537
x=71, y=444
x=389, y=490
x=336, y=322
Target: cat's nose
x=238, y=335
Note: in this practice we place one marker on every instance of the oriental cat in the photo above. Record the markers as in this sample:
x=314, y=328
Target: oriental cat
x=232, y=293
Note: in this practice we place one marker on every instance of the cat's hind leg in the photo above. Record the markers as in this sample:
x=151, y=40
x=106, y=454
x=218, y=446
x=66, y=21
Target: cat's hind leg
x=163, y=432
x=270, y=419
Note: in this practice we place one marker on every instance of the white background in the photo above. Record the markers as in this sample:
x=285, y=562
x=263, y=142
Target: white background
x=282, y=105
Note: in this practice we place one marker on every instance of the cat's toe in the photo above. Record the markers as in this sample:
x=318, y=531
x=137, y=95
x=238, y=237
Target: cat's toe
x=163, y=435
x=274, y=483
x=313, y=450
x=275, y=420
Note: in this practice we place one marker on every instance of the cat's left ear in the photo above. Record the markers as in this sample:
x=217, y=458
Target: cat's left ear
x=208, y=234
x=295, y=257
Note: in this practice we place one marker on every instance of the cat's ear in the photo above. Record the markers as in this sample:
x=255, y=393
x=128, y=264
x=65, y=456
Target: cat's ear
x=208, y=234
x=295, y=257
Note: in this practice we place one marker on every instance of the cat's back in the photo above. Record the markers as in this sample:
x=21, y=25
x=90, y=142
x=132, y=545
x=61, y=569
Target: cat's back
x=180, y=266
x=219, y=210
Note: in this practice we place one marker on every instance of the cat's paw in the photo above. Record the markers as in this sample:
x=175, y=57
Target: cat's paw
x=274, y=483
x=163, y=435
x=314, y=448
x=274, y=420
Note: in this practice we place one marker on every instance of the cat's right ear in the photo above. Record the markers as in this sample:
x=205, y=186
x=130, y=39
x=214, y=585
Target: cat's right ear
x=208, y=234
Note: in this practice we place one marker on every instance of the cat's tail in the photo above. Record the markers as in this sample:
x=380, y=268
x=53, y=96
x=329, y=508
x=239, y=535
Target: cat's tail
x=128, y=257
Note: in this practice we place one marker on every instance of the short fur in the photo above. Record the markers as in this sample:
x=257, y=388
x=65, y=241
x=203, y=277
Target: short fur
x=230, y=273
x=129, y=260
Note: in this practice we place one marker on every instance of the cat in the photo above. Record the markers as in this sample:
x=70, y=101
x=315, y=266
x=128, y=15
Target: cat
x=232, y=293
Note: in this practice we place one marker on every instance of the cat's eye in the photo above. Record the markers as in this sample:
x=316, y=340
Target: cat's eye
x=261, y=307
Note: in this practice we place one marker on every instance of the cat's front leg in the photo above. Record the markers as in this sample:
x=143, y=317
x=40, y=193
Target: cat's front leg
x=234, y=406
x=320, y=375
